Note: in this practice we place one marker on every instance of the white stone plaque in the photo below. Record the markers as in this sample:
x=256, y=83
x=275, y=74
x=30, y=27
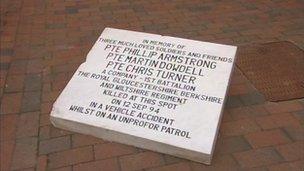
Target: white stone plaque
x=155, y=92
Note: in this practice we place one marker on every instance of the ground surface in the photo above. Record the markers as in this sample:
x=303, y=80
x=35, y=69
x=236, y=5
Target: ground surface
x=43, y=42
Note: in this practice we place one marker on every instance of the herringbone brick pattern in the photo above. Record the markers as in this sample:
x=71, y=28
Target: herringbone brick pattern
x=44, y=41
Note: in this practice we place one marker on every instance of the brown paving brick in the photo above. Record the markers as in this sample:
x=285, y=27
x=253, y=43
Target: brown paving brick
x=219, y=162
x=282, y=107
x=258, y=157
x=56, y=132
x=252, y=98
x=42, y=163
x=277, y=120
x=28, y=124
x=29, y=169
x=226, y=117
x=231, y=145
x=108, y=150
x=44, y=132
x=34, y=66
x=297, y=165
x=293, y=151
x=48, y=50
x=295, y=133
x=258, y=110
x=46, y=107
x=14, y=83
x=8, y=127
x=46, y=87
x=287, y=166
x=18, y=67
x=183, y=166
x=54, y=145
x=6, y=149
x=240, y=89
x=11, y=103
x=69, y=157
x=31, y=101
x=32, y=82
x=83, y=140
x=50, y=96
x=67, y=168
x=44, y=120
x=140, y=161
x=24, y=153
x=238, y=127
x=247, y=112
x=240, y=113
x=300, y=116
x=108, y=164
x=267, y=138
x=233, y=101
x=59, y=85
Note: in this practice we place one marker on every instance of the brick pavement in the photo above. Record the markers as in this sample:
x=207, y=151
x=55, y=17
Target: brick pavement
x=43, y=42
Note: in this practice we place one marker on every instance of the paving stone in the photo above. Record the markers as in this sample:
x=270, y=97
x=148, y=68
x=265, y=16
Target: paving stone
x=6, y=149
x=6, y=52
x=293, y=151
x=42, y=163
x=140, y=161
x=267, y=138
x=67, y=168
x=109, y=164
x=239, y=127
x=32, y=82
x=35, y=66
x=299, y=115
x=14, y=83
x=220, y=162
x=253, y=98
x=70, y=157
x=233, y=101
x=46, y=108
x=44, y=132
x=4, y=66
x=55, y=132
x=44, y=120
x=11, y=103
x=24, y=154
x=183, y=166
x=71, y=10
x=28, y=124
x=282, y=107
x=277, y=120
x=278, y=167
x=108, y=150
x=231, y=145
x=56, y=26
x=8, y=127
x=35, y=32
x=31, y=101
x=295, y=133
x=258, y=157
x=18, y=67
x=54, y=145
x=83, y=140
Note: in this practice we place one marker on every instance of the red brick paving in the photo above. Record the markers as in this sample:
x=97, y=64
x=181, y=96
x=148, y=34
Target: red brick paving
x=43, y=42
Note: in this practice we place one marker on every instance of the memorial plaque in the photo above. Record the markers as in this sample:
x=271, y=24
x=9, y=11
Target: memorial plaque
x=156, y=92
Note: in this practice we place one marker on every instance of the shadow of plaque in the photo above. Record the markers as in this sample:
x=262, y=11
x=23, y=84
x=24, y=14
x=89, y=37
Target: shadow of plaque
x=276, y=69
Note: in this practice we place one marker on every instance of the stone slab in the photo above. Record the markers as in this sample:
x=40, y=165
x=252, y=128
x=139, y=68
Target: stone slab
x=156, y=92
